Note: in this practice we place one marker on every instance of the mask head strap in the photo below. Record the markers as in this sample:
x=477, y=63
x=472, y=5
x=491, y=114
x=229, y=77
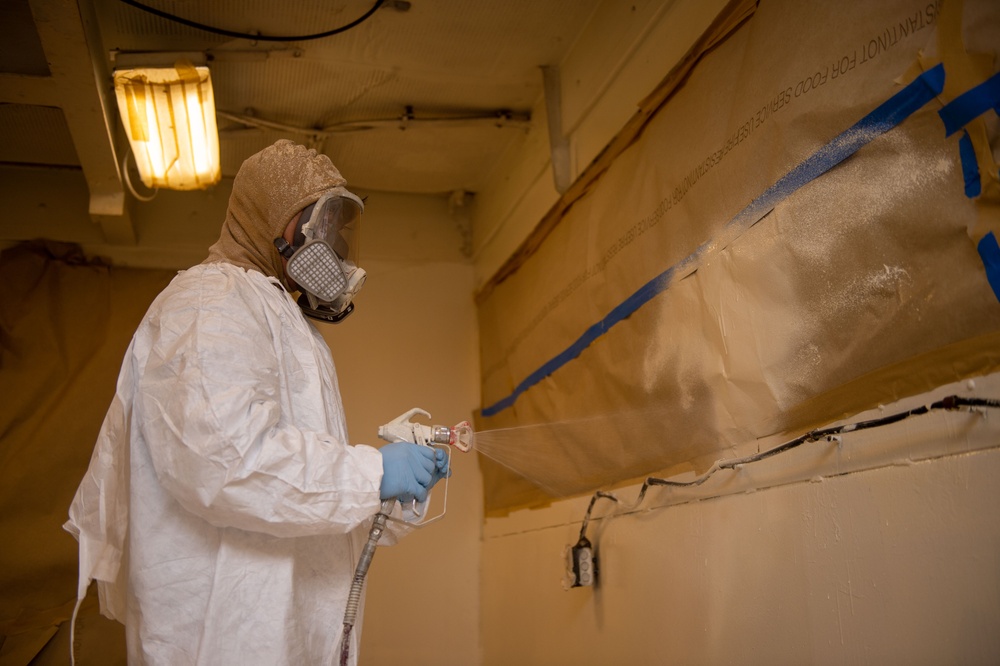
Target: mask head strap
x=298, y=238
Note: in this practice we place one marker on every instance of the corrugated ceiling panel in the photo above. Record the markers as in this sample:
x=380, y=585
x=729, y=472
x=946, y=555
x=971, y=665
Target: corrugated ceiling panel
x=20, y=48
x=300, y=91
x=500, y=37
x=419, y=160
x=129, y=29
x=35, y=135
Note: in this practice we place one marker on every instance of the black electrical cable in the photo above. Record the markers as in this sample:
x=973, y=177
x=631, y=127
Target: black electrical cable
x=593, y=500
x=244, y=35
x=950, y=403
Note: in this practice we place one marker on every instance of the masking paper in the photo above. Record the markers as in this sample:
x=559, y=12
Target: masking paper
x=793, y=237
x=65, y=323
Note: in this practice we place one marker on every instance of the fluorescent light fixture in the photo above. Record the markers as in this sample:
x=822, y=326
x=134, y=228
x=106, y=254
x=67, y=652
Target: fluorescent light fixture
x=169, y=118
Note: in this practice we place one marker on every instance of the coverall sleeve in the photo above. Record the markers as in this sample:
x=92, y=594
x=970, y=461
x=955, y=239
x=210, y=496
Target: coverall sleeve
x=210, y=399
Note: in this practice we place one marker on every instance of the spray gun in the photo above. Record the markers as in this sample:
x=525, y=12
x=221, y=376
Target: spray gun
x=401, y=429
x=404, y=429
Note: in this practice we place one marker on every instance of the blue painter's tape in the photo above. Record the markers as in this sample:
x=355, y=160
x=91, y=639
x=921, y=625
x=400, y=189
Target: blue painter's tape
x=892, y=112
x=642, y=296
x=970, y=168
x=971, y=104
x=887, y=116
x=989, y=251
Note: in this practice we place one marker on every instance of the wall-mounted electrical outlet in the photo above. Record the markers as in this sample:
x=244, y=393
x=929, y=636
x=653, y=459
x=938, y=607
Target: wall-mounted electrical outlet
x=582, y=565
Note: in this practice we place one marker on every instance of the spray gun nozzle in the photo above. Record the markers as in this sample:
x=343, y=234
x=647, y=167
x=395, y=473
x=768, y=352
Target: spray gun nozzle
x=462, y=436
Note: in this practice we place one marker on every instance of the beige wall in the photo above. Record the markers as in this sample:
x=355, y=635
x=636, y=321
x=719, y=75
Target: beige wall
x=884, y=549
x=412, y=343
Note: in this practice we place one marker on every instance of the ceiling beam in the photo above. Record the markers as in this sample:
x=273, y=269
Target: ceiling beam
x=28, y=89
x=72, y=48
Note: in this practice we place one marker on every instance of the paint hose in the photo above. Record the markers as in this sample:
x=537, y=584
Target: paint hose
x=354, y=598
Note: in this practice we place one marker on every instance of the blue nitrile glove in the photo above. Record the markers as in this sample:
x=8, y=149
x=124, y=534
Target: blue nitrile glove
x=407, y=471
x=441, y=467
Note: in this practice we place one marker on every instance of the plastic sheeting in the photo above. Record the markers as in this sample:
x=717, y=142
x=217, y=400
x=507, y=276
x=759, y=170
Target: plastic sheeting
x=64, y=327
x=794, y=237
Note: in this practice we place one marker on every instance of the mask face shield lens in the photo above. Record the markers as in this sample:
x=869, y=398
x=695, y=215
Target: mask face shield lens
x=336, y=219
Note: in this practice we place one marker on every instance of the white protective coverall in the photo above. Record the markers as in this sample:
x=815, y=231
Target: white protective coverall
x=223, y=510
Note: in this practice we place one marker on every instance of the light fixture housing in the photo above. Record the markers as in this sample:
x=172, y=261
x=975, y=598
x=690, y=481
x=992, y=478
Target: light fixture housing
x=169, y=118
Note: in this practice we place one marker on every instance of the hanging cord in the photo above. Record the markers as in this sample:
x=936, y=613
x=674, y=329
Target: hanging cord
x=128, y=180
x=950, y=403
x=72, y=631
x=250, y=36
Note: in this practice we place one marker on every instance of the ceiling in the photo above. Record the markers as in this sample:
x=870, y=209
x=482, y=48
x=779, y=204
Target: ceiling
x=421, y=97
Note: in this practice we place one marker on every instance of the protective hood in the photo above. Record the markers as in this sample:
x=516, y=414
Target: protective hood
x=270, y=188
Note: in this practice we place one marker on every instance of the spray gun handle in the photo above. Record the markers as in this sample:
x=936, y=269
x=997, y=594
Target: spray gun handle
x=402, y=429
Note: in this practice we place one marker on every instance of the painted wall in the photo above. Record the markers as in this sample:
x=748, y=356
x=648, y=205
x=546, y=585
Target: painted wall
x=412, y=343
x=898, y=563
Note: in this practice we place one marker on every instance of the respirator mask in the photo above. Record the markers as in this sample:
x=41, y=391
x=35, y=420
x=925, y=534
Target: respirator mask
x=322, y=259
